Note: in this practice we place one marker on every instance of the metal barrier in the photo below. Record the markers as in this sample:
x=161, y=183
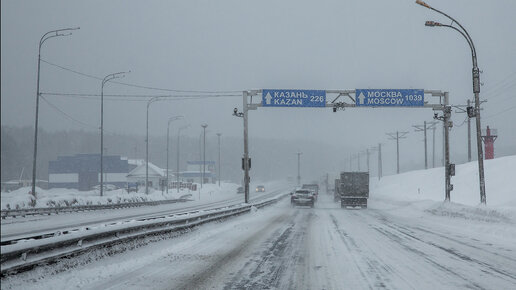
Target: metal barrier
x=66, y=209
x=17, y=258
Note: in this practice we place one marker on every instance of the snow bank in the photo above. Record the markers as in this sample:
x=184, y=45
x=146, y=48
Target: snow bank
x=423, y=190
x=55, y=197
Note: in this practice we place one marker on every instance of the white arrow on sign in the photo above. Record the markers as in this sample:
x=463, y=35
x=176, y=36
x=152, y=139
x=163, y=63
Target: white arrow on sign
x=361, y=98
x=268, y=98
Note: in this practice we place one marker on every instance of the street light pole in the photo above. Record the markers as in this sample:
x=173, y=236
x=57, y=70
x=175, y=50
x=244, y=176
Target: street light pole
x=204, y=153
x=48, y=35
x=177, y=159
x=104, y=81
x=150, y=101
x=476, y=91
x=171, y=119
x=218, y=171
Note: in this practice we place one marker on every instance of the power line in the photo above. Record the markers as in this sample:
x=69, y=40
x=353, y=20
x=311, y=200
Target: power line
x=500, y=83
x=135, y=98
x=501, y=112
x=141, y=96
x=463, y=122
x=139, y=86
x=66, y=115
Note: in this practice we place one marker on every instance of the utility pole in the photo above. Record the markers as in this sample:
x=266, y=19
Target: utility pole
x=461, y=110
x=380, y=173
x=469, y=136
x=399, y=135
x=204, y=153
x=367, y=152
x=449, y=169
x=423, y=128
x=218, y=171
x=433, y=147
x=245, y=160
x=246, y=146
x=299, y=168
x=444, y=145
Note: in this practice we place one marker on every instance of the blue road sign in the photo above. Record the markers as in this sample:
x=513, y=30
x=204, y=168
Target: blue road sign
x=293, y=98
x=389, y=98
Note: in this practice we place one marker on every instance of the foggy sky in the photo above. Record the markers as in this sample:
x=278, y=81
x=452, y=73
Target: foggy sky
x=240, y=45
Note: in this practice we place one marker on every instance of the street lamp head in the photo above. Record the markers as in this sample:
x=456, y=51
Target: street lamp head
x=422, y=3
x=204, y=126
x=432, y=23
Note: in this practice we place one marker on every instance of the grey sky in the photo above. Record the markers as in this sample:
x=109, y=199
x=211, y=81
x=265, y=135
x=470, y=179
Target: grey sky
x=236, y=45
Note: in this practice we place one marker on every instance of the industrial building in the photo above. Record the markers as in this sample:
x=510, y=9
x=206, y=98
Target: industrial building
x=82, y=171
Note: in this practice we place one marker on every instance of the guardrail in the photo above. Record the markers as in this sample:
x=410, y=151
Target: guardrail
x=66, y=209
x=19, y=257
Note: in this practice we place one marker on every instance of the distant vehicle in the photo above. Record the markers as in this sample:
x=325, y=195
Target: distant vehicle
x=302, y=197
x=314, y=187
x=260, y=188
x=240, y=190
x=353, y=188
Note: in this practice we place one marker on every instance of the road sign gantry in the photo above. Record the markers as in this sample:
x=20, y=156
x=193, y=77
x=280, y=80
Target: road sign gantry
x=365, y=98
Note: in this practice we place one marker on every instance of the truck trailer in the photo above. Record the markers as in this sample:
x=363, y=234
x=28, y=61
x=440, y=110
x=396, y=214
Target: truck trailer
x=354, y=189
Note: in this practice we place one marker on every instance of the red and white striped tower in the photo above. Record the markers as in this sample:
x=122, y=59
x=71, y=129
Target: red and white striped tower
x=489, y=136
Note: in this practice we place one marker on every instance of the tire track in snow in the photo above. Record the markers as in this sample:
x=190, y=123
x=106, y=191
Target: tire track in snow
x=373, y=267
x=200, y=279
x=281, y=254
x=510, y=277
x=425, y=256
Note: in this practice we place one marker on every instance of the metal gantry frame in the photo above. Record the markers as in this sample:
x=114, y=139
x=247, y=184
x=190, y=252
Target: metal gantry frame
x=336, y=105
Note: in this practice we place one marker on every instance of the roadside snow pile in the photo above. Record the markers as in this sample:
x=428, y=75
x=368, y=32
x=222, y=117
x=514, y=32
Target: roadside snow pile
x=421, y=189
x=60, y=197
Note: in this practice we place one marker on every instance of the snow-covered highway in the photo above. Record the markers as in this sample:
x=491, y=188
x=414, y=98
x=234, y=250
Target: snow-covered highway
x=280, y=247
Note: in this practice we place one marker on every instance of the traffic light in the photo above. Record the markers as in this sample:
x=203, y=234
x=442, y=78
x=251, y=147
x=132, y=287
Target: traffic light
x=471, y=111
x=452, y=169
x=249, y=163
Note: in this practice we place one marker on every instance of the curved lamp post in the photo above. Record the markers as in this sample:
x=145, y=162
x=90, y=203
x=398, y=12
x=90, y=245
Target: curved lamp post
x=170, y=120
x=150, y=101
x=106, y=79
x=476, y=90
x=48, y=35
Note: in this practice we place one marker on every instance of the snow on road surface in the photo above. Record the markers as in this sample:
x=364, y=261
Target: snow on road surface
x=326, y=247
x=408, y=238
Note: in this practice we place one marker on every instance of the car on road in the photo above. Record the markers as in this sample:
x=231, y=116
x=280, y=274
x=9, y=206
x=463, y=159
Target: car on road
x=260, y=188
x=303, y=197
x=314, y=187
x=240, y=189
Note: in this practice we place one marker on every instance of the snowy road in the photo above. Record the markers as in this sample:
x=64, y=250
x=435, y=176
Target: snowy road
x=303, y=248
